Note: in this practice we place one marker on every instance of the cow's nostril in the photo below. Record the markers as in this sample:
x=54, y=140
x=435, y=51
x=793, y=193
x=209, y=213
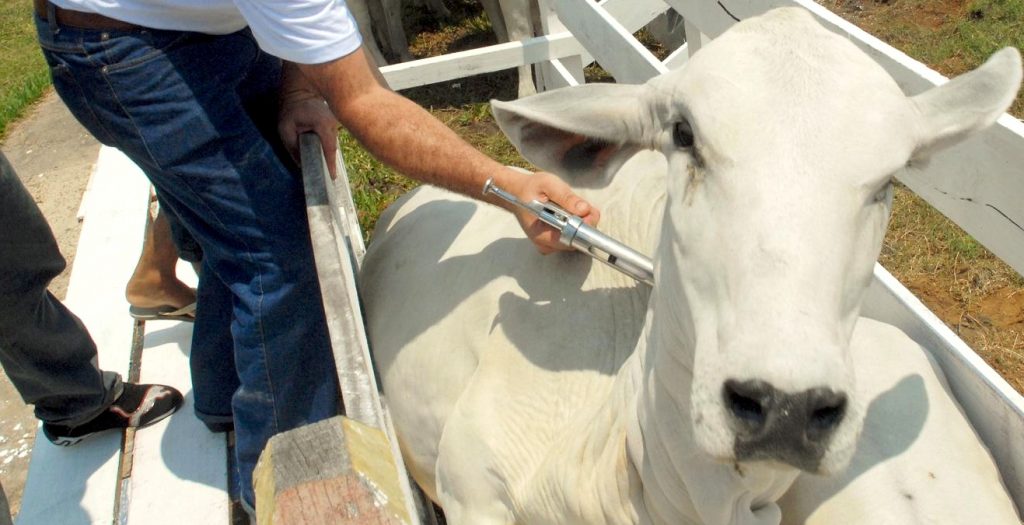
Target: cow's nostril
x=743, y=403
x=827, y=417
x=827, y=410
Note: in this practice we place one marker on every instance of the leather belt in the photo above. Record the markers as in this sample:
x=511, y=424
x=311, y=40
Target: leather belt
x=80, y=19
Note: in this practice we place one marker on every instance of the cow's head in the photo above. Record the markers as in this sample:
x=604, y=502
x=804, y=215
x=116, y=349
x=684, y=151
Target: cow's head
x=782, y=140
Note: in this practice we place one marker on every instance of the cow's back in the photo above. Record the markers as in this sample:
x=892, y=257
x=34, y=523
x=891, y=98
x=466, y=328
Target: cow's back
x=466, y=318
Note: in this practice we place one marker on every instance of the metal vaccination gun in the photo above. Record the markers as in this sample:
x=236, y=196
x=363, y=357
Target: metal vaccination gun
x=583, y=237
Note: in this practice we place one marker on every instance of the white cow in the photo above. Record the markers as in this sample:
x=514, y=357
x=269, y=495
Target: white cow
x=552, y=390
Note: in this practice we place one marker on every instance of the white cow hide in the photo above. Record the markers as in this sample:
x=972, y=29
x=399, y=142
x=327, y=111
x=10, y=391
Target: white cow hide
x=552, y=390
x=918, y=460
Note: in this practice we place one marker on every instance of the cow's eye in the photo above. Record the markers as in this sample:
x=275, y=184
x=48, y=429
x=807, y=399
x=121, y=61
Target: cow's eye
x=682, y=134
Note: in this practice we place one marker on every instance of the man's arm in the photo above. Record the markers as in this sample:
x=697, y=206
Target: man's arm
x=403, y=135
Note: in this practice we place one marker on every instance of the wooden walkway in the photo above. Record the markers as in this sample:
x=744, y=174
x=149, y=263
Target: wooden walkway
x=174, y=472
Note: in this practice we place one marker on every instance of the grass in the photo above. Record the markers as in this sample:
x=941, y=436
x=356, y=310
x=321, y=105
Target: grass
x=950, y=36
x=23, y=72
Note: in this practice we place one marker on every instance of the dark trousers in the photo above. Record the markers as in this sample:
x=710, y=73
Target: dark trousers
x=44, y=348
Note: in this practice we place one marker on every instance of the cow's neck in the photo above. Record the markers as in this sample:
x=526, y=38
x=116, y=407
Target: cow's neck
x=678, y=482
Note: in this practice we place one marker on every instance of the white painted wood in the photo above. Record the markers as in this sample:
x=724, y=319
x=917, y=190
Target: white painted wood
x=619, y=53
x=513, y=54
x=558, y=75
x=569, y=70
x=694, y=38
x=477, y=61
x=80, y=215
x=994, y=408
x=78, y=485
x=176, y=460
x=634, y=14
x=332, y=235
x=678, y=58
x=977, y=184
x=346, y=211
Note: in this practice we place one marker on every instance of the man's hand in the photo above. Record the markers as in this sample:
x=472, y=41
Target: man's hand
x=303, y=111
x=546, y=187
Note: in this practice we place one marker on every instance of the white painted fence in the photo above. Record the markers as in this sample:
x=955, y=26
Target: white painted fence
x=978, y=184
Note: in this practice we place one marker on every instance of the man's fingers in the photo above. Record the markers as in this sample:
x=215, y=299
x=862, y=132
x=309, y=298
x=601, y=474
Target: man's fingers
x=545, y=238
x=562, y=194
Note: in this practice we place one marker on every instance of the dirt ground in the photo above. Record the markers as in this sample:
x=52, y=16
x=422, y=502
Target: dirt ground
x=53, y=156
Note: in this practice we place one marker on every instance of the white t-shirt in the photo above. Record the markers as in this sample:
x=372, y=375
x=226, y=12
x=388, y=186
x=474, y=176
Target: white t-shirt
x=302, y=31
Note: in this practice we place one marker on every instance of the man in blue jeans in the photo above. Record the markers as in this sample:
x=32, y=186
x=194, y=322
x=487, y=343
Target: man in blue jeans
x=44, y=348
x=208, y=99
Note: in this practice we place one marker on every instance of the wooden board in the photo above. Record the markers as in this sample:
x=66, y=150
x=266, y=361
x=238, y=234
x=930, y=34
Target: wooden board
x=977, y=183
x=332, y=236
x=176, y=460
x=77, y=485
x=609, y=41
x=633, y=13
x=335, y=471
x=478, y=61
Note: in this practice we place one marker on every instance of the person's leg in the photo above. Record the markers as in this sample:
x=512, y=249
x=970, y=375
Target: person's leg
x=45, y=350
x=5, y=508
x=175, y=103
x=155, y=284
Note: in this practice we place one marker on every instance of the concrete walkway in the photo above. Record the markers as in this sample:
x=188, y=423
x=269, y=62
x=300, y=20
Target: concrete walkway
x=53, y=156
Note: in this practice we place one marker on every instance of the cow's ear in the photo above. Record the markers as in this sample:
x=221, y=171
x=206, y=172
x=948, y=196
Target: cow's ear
x=582, y=133
x=968, y=103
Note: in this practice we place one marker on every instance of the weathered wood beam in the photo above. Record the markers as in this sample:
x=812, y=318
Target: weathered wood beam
x=337, y=471
x=337, y=250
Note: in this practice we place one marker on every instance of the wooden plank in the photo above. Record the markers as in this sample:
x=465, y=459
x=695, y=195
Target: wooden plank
x=634, y=14
x=176, y=460
x=695, y=39
x=478, y=61
x=976, y=183
x=344, y=212
x=335, y=268
x=498, y=57
x=609, y=42
x=78, y=484
x=994, y=408
x=556, y=73
x=337, y=283
x=334, y=471
x=678, y=58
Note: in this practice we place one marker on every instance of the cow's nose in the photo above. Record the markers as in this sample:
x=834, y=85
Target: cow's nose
x=790, y=427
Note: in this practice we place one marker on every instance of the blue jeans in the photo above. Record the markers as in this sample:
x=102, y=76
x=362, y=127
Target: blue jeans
x=198, y=114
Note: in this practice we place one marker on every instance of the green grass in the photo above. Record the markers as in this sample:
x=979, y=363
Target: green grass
x=23, y=72
x=950, y=36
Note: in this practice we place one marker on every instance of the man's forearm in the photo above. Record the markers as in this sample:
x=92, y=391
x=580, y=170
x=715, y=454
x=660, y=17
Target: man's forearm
x=401, y=133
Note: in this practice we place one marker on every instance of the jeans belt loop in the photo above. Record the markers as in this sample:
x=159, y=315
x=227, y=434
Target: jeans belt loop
x=51, y=18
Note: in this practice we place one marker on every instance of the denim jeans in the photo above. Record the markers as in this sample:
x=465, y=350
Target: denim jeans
x=44, y=348
x=198, y=114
